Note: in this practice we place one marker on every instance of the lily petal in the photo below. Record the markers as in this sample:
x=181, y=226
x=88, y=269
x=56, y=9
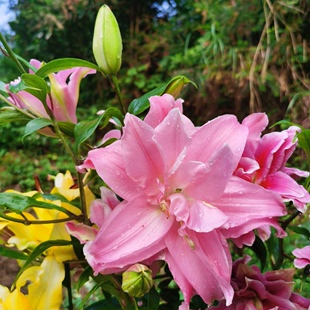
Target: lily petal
x=132, y=233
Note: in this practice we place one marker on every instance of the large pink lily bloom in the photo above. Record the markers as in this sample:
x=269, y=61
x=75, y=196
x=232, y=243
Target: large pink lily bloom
x=264, y=159
x=179, y=196
x=63, y=98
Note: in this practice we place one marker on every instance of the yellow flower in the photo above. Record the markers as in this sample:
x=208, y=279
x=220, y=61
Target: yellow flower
x=44, y=288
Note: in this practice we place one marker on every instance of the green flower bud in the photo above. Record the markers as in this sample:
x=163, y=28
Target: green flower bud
x=175, y=86
x=137, y=280
x=107, y=42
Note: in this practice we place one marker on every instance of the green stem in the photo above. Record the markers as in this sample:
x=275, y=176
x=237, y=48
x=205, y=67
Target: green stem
x=15, y=107
x=114, y=80
x=79, y=175
x=284, y=225
x=25, y=221
x=11, y=54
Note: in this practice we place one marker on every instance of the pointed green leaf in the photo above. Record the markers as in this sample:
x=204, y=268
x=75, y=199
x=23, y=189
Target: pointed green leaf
x=9, y=115
x=67, y=128
x=300, y=231
x=139, y=105
x=63, y=64
x=8, y=252
x=84, y=277
x=36, y=124
x=40, y=249
x=105, y=305
x=85, y=129
x=35, y=85
x=260, y=250
x=18, y=203
x=173, y=87
x=304, y=142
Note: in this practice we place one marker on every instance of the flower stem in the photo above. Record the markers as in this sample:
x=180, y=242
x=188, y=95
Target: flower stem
x=11, y=54
x=114, y=81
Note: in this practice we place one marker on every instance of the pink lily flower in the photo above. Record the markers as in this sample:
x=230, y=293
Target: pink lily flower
x=264, y=159
x=256, y=291
x=179, y=196
x=63, y=98
x=99, y=211
x=302, y=257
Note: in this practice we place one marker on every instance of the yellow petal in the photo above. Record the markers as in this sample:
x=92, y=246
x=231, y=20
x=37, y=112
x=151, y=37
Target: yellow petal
x=27, y=236
x=16, y=300
x=45, y=292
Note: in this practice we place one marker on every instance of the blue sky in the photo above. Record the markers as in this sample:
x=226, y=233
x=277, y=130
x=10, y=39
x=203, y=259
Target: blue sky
x=5, y=15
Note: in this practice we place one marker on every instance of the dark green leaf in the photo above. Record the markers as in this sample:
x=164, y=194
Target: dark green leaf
x=19, y=203
x=153, y=299
x=9, y=115
x=36, y=124
x=85, y=129
x=35, y=85
x=67, y=128
x=40, y=249
x=285, y=123
x=91, y=292
x=4, y=251
x=63, y=64
x=84, y=277
x=173, y=87
x=105, y=305
x=139, y=105
x=304, y=142
x=300, y=231
x=260, y=250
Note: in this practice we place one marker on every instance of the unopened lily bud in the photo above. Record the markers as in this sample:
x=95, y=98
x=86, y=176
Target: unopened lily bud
x=137, y=280
x=176, y=84
x=107, y=42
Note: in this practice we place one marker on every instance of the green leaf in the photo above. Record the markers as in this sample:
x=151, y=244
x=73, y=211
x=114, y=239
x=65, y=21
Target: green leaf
x=300, y=231
x=87, y=296
x=7, y=252
x=105, y=305
x=84, y=277
x=260, y=250
x=85, y=129
x=304, y=142
x=63, y=64
x=173, y=87
x=41, y=248
x=36, y=124
x=3, y=90
x=153, y=299
x=35, y=85
x=19, y=203
x=9, y=115
x=286, y=124
x=67, y=128
x=139, y=105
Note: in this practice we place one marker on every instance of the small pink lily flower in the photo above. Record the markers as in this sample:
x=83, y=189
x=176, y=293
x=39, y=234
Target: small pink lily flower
x=179, y=196
x=256, y=291
x=302, y=257
x=63, y=98
x=264, y=159
x=99, y=211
